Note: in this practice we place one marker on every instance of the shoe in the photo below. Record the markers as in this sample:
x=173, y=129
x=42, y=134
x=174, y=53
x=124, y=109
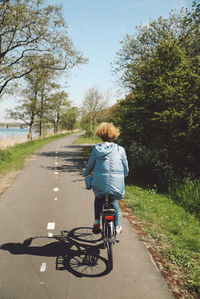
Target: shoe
x=119, y=229
x=96, y=228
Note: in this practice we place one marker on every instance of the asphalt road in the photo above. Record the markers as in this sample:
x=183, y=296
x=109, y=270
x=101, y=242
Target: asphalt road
x=47, y=249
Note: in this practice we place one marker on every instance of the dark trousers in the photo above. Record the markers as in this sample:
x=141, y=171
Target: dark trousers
x=98, y=204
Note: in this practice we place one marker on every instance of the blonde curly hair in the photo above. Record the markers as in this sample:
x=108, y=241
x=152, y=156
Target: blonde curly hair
x=107, y=132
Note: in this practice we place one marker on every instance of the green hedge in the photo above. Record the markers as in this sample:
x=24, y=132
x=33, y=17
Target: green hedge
x=149, y=167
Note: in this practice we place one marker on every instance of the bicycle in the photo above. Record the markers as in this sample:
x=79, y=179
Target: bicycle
x=108, y=216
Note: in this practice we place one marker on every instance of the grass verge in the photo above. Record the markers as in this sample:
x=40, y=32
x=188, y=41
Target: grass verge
x=84, y=139
x=172, y=234
x=13, y=158
x=175, y=232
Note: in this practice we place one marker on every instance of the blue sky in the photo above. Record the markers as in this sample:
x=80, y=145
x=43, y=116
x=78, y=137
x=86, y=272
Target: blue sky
x=96, y=28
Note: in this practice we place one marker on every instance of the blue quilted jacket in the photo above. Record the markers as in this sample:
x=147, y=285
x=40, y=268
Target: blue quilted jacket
x=109, y=165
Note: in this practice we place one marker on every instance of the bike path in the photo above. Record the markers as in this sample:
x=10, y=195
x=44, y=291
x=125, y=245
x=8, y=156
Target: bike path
x=47, y=249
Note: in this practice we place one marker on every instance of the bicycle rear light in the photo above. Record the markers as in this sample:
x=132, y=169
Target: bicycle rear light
x=110, y=217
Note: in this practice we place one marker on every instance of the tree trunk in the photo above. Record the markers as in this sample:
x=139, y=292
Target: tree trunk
x=54, y=127
x=41, y=124
x=30, y=134
x=57, y=122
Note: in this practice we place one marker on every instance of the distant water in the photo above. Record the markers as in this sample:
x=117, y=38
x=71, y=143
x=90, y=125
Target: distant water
x=14, y=132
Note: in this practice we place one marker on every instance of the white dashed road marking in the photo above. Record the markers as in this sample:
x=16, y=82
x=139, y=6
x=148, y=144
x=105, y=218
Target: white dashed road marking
x=51, y=225
x=43, y=267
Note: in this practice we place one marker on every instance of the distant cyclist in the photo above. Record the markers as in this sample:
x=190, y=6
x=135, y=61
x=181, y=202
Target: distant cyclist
x=109, y=165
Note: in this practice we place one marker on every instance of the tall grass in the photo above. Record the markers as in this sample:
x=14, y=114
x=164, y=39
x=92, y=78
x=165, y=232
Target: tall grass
x=11, y=140
x=187, y=194
x=15, y=139
x=13, y=157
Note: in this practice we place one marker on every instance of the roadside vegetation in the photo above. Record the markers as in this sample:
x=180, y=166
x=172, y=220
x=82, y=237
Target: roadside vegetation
x=13, y=158
x=172, y=232
x=160, y=67
x=87, y=139
x=159, y=120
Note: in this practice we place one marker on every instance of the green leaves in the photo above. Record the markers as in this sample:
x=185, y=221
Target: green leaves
x=29, y=29
x=69, y=117
x=161, y=70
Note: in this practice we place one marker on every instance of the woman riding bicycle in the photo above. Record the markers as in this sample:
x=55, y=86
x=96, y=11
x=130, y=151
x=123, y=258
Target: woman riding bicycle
x=109, y=165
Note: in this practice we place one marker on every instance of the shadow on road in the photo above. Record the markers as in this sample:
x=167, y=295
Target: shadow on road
x=77, y=251
x=69, y=161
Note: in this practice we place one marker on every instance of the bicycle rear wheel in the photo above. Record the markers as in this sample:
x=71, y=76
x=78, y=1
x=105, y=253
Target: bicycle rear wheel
x=110, y=255
x=109, y=241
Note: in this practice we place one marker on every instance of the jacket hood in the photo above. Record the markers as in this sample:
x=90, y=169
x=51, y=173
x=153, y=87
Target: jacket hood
x=103, y=149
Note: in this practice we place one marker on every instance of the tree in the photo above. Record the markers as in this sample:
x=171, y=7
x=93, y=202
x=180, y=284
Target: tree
x=190, y=35
x=163, y=111
x=182, y=27
x=26, y=112
x=35, y=102
x=93, y=103
x=57, y=103
x=110, y=114
x=161, y=69
x=29, y=29
x=40, y=82
x=69, y=118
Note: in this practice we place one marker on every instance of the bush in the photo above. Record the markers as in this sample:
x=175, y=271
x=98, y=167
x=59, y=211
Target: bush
x=149, y=167
x=5, y=154
x=187, y=194
x=88, y=134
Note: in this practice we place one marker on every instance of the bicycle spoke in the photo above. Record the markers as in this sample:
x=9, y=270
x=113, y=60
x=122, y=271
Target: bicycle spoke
x=87, y=265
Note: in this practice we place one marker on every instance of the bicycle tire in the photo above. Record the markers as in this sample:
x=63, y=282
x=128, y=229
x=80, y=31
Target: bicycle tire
x=109, y=231
x=110, y=255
